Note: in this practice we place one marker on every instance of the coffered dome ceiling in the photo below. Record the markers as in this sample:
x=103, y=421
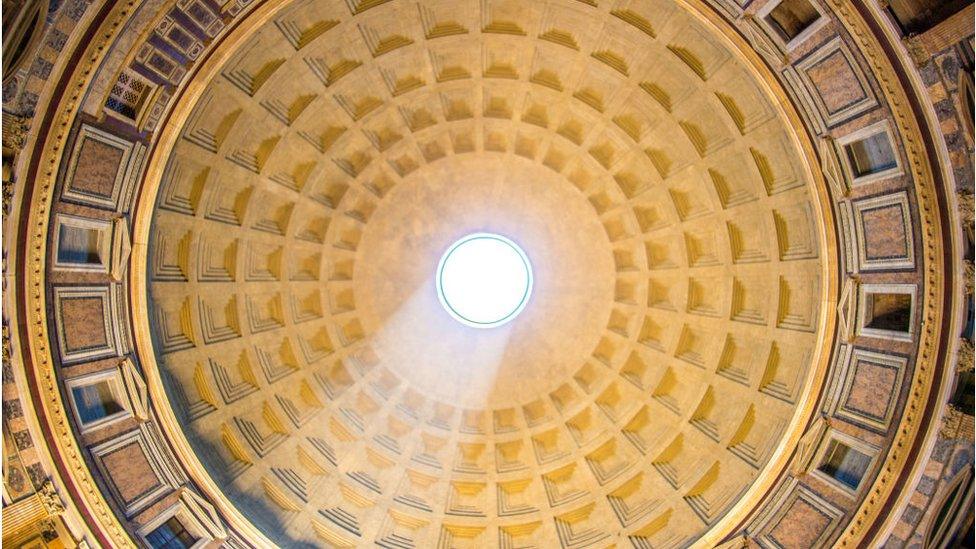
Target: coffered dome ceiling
x=733, y=228
x=659, y=190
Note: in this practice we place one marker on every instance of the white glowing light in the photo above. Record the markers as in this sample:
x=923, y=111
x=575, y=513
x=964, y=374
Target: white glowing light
x=484, y=280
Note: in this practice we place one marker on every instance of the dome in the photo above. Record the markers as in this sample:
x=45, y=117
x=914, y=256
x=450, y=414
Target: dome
x=660, y=189
x=594, y=273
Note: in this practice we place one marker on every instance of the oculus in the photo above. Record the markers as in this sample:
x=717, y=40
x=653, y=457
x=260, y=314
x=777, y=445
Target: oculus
x=484, y=280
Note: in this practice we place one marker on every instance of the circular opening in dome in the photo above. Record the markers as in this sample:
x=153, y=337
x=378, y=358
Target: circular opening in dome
x=484, y=280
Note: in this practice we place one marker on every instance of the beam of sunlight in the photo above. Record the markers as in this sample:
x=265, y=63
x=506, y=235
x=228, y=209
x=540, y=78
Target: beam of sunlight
x=460, y=363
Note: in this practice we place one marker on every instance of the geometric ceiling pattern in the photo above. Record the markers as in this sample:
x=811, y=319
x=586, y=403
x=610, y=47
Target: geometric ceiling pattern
x=749, y=225
x=335, y=154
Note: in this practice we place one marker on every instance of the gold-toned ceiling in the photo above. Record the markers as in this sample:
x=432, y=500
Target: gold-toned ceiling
x=223, y=223
x=655, y=185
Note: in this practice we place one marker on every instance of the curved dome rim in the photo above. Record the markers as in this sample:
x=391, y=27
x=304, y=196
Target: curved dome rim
x=171, y=128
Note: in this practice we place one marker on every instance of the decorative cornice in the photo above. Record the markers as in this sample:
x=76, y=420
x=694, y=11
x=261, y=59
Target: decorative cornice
x=917, y=49
x=49, y=496
x=15, y=130
x=51, y=143
x=914, y=425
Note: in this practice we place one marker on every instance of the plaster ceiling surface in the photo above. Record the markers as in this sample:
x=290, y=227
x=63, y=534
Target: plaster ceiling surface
x=513, y=364
x=655, y=185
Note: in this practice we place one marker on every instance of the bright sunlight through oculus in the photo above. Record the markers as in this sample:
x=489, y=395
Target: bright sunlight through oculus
x=484, y=280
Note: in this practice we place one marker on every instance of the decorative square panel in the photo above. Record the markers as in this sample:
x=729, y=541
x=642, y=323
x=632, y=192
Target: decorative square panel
x=837, y=85
x=869, y=388
x=797, y=518
x=135, y=469
x=84, y=318
x=884, y=233
x=100, y=169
